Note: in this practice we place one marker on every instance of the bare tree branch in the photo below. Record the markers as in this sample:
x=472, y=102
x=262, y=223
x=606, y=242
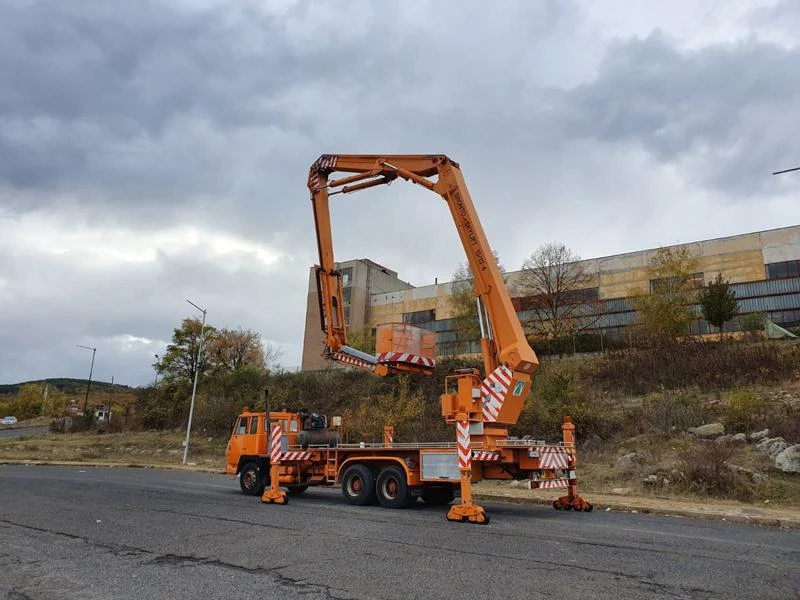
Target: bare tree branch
x=556, y=292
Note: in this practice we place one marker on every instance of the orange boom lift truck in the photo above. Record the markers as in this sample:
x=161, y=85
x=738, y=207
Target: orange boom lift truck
x=295, y=450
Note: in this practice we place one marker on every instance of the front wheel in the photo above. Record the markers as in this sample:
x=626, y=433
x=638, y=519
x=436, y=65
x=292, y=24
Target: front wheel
x=251, y=480
x=392, y=488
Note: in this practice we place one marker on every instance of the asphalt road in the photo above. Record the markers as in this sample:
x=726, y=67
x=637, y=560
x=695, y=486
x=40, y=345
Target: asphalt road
x=68, y=532
x=23, y=432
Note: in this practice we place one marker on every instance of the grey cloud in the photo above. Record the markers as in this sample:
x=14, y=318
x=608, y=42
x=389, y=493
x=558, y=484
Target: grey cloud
x=58, y=304
x=146, y=115
x=722, y=112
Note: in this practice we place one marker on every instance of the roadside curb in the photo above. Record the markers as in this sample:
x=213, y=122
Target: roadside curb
x=672, y=509
x=96, y=464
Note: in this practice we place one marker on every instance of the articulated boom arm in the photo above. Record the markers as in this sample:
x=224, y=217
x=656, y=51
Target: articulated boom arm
x=503, y=340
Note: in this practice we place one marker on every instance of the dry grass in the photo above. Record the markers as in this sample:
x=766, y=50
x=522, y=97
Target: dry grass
x=135, y=448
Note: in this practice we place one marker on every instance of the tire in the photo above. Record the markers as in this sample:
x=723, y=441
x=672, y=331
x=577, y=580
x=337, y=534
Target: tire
x=437, y=495
x=296, y=490
x=392, y=488
x=251, y=480
x=358, y=485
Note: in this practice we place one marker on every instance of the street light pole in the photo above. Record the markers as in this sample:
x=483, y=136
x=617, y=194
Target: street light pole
x=194, y=385
x=786, y=171
x=88, y=385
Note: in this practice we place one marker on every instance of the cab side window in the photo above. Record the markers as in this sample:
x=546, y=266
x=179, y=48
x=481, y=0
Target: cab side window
x=254, y=425
x=241, y=426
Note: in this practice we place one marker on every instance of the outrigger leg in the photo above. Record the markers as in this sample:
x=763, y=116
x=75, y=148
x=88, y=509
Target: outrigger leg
x=274, y=494
x=466, y=510
x=572, y=501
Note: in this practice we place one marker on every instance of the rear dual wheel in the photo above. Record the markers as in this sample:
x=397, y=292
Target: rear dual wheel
x=392, y=488
x=358, y=485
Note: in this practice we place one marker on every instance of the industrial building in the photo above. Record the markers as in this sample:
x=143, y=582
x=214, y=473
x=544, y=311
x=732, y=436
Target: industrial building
x=763, y=268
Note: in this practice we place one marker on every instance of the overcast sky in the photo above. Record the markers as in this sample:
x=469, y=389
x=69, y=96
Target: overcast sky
x=154, y=151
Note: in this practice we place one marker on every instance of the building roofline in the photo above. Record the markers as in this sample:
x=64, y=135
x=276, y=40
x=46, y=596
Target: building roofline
x=632, y=252
x=716, y=239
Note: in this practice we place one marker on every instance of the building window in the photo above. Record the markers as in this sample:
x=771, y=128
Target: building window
x=346, y=294
x=783, y=270
x=347, y=276
x=695, y=281
x=419, y=316
x=563, y=298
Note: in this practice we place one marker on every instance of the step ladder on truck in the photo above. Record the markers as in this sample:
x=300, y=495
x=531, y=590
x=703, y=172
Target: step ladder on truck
x=295, y=450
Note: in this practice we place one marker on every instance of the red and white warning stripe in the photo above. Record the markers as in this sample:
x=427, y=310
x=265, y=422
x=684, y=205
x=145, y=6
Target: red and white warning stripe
x=324, y=162
x=296, y=455
x=549, y=484
x=414, y=359
x=493, y=392
x=553, y=458
x=462, y=437
x=351, y=360
x=275, y=443
x=483, y=456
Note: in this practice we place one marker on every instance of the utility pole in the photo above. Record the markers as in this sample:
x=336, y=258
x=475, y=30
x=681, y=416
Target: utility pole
x=158, y=363
x=109, y=398
x=89, y=384
x=194, y=385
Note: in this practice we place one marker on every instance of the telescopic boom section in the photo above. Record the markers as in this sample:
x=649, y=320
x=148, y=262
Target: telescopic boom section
x=503, y=340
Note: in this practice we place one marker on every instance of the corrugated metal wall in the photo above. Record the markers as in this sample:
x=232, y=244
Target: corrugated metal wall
x=778, y=299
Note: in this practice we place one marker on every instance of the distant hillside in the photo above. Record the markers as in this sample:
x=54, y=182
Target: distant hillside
x=67, y=385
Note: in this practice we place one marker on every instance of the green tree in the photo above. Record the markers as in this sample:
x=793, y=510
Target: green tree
x=555, y=289
x=400, y=407
x=181, y=361
x=29, y=401
x=363, y=339
x=232, y=349
x=666, y=311
x=54, y=402
x=718, y=302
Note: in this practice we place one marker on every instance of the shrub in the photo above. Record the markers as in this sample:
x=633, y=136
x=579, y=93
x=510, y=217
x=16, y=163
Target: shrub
x=745, y=410
x=786, y=424
x=558, y=392
x=702, y=365
x=704, y=465
x=673, y=411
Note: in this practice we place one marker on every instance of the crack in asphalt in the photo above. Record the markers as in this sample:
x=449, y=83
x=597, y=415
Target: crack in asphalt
x=15, y=594
x=548, y=564
x=178, y=560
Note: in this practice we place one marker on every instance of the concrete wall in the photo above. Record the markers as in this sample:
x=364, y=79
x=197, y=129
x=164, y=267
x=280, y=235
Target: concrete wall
x=368, y=278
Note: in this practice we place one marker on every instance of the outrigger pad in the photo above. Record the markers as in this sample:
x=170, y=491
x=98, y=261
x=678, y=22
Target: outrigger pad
x=271, y=496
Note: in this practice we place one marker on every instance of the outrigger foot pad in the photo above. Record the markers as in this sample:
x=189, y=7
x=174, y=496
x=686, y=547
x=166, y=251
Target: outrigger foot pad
x=468, y=513
x=271, y=496
x=572, y=503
